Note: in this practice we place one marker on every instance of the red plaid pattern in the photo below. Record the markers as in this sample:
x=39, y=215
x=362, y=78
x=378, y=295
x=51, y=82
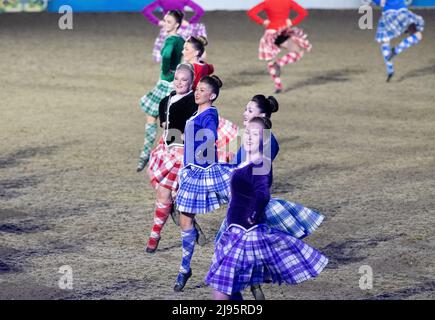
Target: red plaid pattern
x=165, y=163
x=268, y=50
x=227, y=131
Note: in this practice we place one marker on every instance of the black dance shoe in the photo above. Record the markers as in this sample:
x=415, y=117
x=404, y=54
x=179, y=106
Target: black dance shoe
x=257, y=292
x=182, y=280
x=152, y=249
x=175, y=215
x=390, y=75
x=201, y=239
x=140, y=166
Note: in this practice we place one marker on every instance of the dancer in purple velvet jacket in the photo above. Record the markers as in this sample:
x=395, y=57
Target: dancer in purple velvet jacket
x=187, y=29
x=250, y=252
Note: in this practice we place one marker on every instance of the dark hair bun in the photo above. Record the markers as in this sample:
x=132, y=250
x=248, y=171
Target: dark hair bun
x=273, y=103
x=267, y=123
x=179, y=13
x=203, y=40
x=217, y=80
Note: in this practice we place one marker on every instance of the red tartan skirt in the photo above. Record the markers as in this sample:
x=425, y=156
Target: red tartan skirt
x=165, y=163
x=268, y=50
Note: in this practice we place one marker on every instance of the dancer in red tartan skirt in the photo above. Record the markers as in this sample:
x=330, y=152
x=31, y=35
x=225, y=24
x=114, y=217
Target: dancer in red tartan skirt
x=167, y=158
x=280, y=33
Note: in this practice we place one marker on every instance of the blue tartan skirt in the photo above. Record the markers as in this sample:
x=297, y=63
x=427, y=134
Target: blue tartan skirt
x=394, y=23
x=203, y=190
x=259, y=255
x=292, y=218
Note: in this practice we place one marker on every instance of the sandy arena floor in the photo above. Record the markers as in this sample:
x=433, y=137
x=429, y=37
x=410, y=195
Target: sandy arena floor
x=353, y=147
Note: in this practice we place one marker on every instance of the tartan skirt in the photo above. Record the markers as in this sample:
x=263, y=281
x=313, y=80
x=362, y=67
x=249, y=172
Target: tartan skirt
x=288, y=217
x=244, y=258
x=150, y=102
x=193, y=29
x=227, y=131
x=203, y=190
x=394, y=23
x=164, y=166
x=268, y=50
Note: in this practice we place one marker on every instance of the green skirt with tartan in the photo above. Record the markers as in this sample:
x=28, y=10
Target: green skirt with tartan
x=150, y=102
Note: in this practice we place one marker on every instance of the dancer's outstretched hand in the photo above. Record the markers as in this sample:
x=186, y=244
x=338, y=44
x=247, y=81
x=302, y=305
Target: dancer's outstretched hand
x=266, y=23
x=289, y=23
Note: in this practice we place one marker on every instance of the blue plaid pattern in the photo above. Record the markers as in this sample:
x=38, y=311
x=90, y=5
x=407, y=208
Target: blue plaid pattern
x=203, y=190
x=261, y=255
x=407, y=43
x=394, y=23
x=291, y=218
x=188, y=243
x=386, y=51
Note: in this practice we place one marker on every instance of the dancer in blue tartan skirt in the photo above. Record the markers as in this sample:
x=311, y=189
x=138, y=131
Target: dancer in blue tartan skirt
x=397, y=20
x=250, y=252
x=204, y=183
x=285, y=216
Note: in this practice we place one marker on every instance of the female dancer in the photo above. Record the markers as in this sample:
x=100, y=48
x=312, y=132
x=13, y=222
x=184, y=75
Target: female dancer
x=249, y=252
x=191, y=28
x=285, y=216
x=280, y=34
x=203, y=181
x=167, y=158
x=397, y=20
x=193, y=52
x=171, y=57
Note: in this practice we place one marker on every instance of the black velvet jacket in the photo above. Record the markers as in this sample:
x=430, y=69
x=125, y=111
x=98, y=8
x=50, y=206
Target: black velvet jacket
x=176, y=115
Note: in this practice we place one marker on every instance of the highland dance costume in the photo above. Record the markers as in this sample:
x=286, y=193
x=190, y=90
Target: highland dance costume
x=193, y=29
x=204, y=185
x=249, y=252
x=292, y=218
x=227, y=131
x=278, y=32
x=171, y=57
x=167, y=158
x=395, y=21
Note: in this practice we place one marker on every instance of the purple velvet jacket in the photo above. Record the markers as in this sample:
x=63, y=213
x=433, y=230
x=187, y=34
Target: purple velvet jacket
x=167, y=5
x=250, y=195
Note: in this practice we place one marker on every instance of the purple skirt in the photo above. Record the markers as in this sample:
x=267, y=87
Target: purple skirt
x=259, y=255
